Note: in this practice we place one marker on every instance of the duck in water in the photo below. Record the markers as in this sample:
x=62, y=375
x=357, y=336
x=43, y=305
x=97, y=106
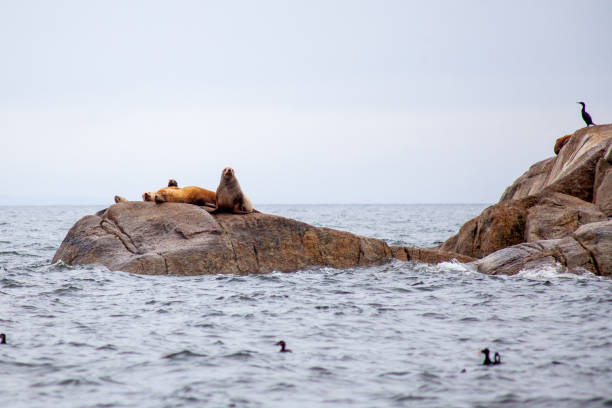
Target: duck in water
x=487, y=360
x=2, y=338
x=283, y=345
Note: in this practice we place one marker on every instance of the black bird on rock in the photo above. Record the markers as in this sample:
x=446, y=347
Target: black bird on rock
x=586, y=116
x=487, y=360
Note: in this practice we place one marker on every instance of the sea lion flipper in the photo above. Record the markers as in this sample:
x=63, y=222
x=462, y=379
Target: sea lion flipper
x=211, y=210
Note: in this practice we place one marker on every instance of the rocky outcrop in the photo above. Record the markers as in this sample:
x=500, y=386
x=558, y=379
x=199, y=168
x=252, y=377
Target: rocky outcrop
x=572, y=172
x=602, y=195
x=556, y=214
x=530, y=183
x=495, y=228
x=588, y=249
x=542, y=217
x=596, y=238
x=183, y=239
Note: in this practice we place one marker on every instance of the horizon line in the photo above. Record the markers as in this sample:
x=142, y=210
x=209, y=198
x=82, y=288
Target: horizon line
x=262, y=204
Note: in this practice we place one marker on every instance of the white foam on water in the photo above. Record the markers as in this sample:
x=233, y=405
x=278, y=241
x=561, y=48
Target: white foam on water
x=456, y=266
x=553, y=272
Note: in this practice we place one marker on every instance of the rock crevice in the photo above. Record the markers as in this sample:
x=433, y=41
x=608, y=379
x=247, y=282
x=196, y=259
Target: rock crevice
x=109, y=226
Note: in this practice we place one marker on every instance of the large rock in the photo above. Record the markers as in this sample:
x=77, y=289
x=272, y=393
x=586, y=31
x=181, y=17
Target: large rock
x=589, y=249
x=548, y=215
x=551, y=201
x=565, y=254
x=602, y=195
x=531, y=182
x=557, y=215
x=497, y=227
x=572, y=172
x=183, y=239
x=596, y=238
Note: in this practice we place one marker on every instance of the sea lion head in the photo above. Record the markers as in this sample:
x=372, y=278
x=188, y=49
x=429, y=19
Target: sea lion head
x=160, y=198
x=227, y=173
x=172, y=183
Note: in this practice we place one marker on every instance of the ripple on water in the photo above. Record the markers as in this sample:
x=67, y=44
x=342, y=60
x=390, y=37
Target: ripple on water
x=184, y=355
x=8, y=283
x=241, y=355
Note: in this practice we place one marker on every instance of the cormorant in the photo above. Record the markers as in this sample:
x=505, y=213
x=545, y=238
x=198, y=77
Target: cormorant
x=586, y=116
x=2, y=338
x=487, y=360
x=283, y=345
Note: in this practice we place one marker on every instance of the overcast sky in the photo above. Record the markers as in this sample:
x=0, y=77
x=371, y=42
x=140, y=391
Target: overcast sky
x=309, y=101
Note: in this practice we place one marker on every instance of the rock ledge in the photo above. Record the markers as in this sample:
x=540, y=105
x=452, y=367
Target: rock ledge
x=183, y=239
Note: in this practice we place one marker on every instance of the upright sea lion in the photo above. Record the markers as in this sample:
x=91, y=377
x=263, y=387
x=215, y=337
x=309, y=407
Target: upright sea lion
x=230, y=197
x=174, y=194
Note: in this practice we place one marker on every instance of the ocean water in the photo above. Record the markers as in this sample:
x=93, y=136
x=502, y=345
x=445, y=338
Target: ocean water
x=396, y=335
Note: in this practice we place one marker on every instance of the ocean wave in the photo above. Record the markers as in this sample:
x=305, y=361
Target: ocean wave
x=183, y=355
x=456, y=266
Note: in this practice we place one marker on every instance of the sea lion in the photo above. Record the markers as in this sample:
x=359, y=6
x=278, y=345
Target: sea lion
x=150, y=195
x=562, y=141
x=119, y=199
x=174, y=194
x=230, y=197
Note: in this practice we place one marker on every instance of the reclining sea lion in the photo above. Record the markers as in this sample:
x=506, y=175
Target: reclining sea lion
x=174, y=194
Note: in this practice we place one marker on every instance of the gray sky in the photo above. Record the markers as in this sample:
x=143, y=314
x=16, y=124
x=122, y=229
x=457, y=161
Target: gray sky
x=309, y=101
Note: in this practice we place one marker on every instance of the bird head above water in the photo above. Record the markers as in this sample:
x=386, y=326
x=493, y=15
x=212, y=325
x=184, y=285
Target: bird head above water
x=283, y=347
x=487, y=359
x=2, y=338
